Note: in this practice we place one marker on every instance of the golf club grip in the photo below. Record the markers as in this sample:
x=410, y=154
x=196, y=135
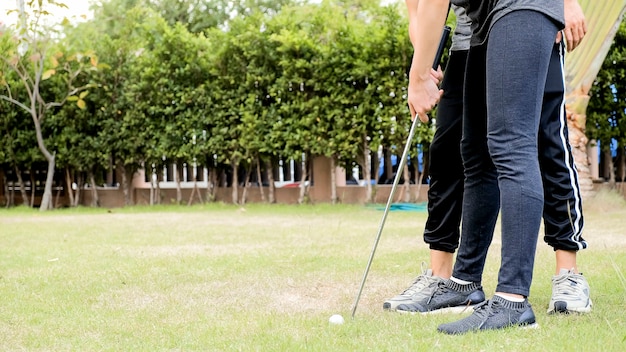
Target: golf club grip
x=442, y=46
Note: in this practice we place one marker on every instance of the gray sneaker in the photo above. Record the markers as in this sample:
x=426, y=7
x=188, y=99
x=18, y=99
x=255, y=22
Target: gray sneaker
x=497, y=313
x=447, y=297
x=421, y=288
x=570, y=293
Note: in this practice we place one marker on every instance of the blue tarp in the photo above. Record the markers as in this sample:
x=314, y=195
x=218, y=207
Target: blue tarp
x=420, y=207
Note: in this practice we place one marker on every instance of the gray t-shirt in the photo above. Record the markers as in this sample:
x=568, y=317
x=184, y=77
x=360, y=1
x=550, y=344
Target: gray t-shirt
x=484, y=13
x=463, y=30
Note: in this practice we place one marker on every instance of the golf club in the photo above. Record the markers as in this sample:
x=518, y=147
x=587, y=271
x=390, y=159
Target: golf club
x=402, y=161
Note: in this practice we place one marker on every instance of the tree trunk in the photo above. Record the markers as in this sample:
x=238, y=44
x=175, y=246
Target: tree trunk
x=606, y=164
x=235, y=182
x=376, y=170
x=406, y=185
x=7, y=194
x=367, y=170
x=12, y=195
x=33, y=188
x=95, y=199
x=425, y=162
x=158, y=198
x=246, y=185
x=68, y=184
x=269, y=168
x=211, y=185
x=46, y=200
x=376, y=167
x=619, y=165
x=56, y=198
x=195, y=191
x=260, y=179
x=333, y=180
x=23, y=192
x=388, y=165
x=303, y=188
x=609, y=167
x=419, y=179
x=178, y=173
x=125, y=184
x=151, y=175
x=582, y=66
x=80, y=184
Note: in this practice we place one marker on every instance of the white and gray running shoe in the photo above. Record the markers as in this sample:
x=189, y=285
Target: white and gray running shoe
x=421, y=288
x=570, y=293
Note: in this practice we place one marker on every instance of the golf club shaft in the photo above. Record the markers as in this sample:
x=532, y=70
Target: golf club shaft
x=396, y=180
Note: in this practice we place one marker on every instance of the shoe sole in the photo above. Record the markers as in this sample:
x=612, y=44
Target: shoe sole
x=533, y=326
x=583, y=310
x=388, y=306
x=560, y=307
x=392, y=307
x=447, y=310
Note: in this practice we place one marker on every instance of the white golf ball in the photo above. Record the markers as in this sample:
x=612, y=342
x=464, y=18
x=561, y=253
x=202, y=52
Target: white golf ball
x=336, y=319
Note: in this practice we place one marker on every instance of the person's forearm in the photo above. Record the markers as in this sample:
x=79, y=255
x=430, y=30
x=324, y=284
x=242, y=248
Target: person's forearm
x=426, y=21
x=411, y=6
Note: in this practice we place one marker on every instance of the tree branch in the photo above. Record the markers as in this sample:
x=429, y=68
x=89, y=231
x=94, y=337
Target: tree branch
x=20, y=70
x=13, y=101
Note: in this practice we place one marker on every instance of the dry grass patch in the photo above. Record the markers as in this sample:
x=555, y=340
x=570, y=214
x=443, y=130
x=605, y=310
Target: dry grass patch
x=218, y=278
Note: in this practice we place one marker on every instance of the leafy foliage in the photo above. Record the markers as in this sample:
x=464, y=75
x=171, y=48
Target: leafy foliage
x=607, y=106
x=229, y=85
x=606, y=114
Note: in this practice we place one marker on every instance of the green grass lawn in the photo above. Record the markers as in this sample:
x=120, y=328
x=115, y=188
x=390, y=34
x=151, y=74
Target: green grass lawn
x=266, y=278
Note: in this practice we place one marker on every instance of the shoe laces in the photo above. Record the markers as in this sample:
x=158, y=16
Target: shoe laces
x=567, y=287
x=420, y=283
x=441, y=289
x=568, y=284
x=487, y=309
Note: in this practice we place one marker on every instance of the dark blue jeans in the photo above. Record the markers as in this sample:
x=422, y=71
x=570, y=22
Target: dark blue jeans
x=505, y=82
